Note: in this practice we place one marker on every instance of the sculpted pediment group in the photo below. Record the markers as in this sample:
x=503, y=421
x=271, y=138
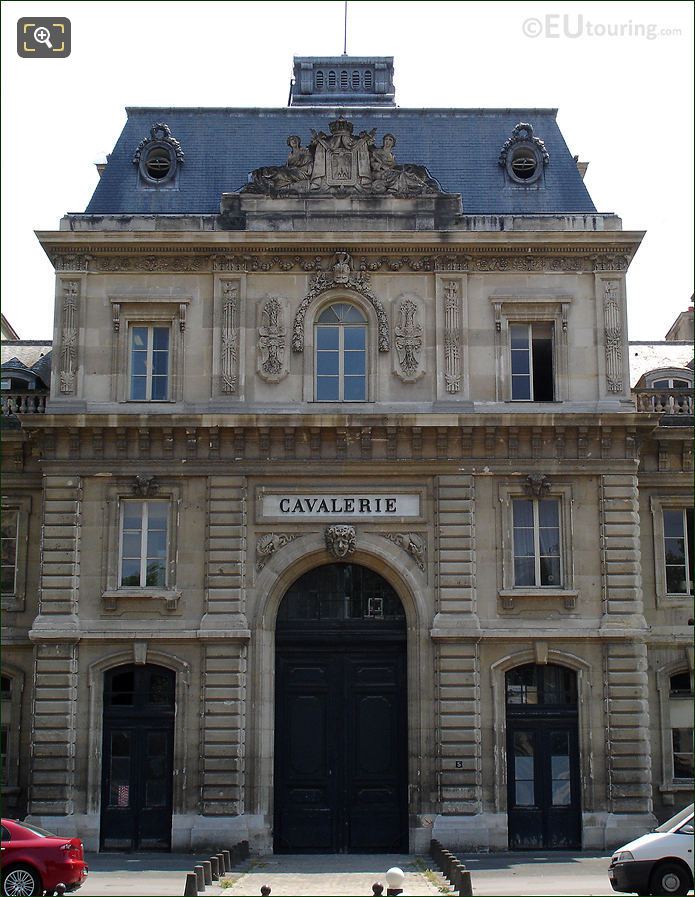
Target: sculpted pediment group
x=342, y=162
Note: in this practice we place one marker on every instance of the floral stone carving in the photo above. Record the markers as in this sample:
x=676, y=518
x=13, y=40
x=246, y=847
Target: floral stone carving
x=272, y=335
x=408, y=340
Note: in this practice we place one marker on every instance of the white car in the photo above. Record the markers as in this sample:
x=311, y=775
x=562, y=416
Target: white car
x=658, y=863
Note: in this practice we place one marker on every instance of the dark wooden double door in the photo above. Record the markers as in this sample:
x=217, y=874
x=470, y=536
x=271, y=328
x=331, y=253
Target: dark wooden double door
x=543, y=779
x=137, y=759
x=340, y=748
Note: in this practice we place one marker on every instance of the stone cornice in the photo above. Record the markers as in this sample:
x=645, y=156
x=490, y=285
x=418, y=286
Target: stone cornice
x=572, y=252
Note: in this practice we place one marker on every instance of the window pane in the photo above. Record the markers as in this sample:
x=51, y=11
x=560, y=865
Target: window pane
x=559, y=687
x=550, y=572
x=139, y=339
x=679, y=684
x=549, y=512
x=327, y=337
x=682, y=753
x=523, y=512
x=130, y=572
x=355, y=389
x=160, y=338
x=676, y=583
x=327, y=389
x=138, y=364
x=131, y=545
x=157, y=545
x=327, y=363
x=138, y=388
x=521, y=387
x=328, y=315
x=518, y=334
x=355, y=337
x=132, y=515
x=156, y=574
x=355, y=363
x=157, y=514
x=160, y=363
x=520, y=363
x=673, y=523
x=524, y=572
x=159, y=388
x=523, y=542
x=675, y=551
x=119, y=772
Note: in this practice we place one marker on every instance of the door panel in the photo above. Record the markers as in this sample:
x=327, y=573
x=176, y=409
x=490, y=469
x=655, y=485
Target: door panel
x=543, y=785
x=340, y=756
x=137, y=759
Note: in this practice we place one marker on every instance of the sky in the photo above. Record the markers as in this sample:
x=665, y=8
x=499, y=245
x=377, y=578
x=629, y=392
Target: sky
x=620, y=74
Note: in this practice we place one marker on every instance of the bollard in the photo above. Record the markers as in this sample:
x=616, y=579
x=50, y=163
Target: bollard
x=394, y=881
x=191, y=889
x=200, y=877
x=245, y=852
x=59, y=888
x=466, y=889
x=265, y=890
x=223, y=864
x=215, y=867
x=207, y=872
x=228, y=860
x=377, y=889
x=234, y=854
x=457, y=875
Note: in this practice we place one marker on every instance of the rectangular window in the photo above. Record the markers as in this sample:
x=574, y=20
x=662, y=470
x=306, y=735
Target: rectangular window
x=536, y=542
x=531, y=350
x=144, y=539
x=678, y=550
x=149, y=363
x=682, y=740
x=9, y=532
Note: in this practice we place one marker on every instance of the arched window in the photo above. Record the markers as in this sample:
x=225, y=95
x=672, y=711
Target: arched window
x=355, y=79
x=368, y=79
x=344, y=80
x=341, y=354
x=319, y=80
x=331, y=79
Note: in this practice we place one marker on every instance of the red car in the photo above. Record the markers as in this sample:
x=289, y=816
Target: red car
x=36, y=862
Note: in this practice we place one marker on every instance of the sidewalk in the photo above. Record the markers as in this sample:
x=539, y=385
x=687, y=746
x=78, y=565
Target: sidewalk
x=344, y=875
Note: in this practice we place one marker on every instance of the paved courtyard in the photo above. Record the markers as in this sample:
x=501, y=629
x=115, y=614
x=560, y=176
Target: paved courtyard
x=530, y=875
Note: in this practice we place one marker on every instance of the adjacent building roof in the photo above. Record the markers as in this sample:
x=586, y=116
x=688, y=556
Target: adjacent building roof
x=460, y=147
x=646, y=357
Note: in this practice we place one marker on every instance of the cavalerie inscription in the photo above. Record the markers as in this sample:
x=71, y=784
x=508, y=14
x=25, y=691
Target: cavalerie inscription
x=352, y=505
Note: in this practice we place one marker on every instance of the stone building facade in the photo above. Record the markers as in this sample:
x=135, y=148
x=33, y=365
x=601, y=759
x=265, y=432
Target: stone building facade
x=340, y=529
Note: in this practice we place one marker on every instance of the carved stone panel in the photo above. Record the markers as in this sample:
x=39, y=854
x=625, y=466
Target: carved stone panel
x=341, y=540
x=452, y=336
x=613, y=329
x=229, y=337
x=69, y=332
x=408, y=340
x=271, y=361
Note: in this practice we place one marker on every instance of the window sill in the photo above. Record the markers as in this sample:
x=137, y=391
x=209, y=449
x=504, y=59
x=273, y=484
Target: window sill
x=680, y=785
x=508, y=596
x=110, y=598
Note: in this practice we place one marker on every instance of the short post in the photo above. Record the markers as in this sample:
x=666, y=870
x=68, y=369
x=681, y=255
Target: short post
x=456, y=875
x=245, y=852
x=265, y=890
x=200, y=877
x=191, y=889
x=228, y=861
x=59, y=888
x=207, y=872
x=223, y=864
x=466, y=889
x=394, y=881
x=215, y=866
x=377, y=889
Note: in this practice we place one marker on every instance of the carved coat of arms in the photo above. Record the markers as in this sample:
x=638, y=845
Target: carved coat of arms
x=339, y=162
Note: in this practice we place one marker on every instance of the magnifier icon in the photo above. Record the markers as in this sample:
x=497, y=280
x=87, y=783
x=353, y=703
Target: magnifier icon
x=43, y=36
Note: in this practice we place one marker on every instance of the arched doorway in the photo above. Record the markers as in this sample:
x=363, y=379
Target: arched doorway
x=138, y=740
x=340, y=714
x=543, y=801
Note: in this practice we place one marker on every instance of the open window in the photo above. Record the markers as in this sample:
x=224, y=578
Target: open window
x=341, y=354
x=532, y=364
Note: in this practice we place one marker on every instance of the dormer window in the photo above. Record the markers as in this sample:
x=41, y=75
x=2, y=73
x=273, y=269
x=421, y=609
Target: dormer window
x=320, y=80
x=524, y=156
x=331, y=80
x=158, y=157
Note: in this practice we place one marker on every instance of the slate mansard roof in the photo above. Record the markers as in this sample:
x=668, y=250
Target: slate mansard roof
x=460, y=147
